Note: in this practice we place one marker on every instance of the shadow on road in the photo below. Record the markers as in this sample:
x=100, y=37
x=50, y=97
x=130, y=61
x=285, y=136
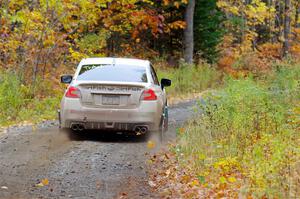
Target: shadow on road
x=105, y=136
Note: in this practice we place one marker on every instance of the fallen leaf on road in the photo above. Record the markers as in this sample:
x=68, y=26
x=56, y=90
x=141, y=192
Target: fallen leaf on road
x=39, y=185
x=44, y=182
x=123, y=195
x=150, y=144
x=4, y=187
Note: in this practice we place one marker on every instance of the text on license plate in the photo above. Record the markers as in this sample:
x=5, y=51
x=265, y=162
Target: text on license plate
x=110, y=100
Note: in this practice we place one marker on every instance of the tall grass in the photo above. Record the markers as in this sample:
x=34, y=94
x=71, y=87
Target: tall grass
x=11, y=96
x=20, y=103
x=250, y=130
x=189, y=79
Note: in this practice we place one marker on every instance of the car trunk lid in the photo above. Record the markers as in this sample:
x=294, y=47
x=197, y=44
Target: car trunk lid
x=111, y=94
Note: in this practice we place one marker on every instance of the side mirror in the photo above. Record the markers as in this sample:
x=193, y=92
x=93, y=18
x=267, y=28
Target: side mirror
x=165, y=82
x=66, y=79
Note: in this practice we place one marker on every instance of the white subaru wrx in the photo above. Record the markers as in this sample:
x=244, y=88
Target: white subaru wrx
x=114, y=94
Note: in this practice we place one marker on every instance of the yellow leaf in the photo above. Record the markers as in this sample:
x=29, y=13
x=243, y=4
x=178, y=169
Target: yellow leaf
x=195, y=183
x=234, y=10
x=150, y=144
x=44, y=182
x=202, y=156
x=39, y=185
x=231, y=179
x=185, y=1
x=166, y=2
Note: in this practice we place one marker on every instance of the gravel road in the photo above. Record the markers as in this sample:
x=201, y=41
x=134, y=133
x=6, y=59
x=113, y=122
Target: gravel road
x=87, y=165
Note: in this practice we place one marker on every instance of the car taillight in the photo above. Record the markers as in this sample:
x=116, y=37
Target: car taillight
x=73, y=92
x=149, y=95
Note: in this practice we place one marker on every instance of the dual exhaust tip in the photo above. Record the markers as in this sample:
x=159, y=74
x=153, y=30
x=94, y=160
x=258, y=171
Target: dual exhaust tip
x=77, y=127
x=137, y=129
x=141, y=129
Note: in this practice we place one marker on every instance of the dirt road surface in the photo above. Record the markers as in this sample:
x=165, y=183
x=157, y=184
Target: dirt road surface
x=86, y=165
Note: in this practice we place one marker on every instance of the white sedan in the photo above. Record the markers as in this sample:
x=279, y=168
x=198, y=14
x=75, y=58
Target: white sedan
x=114, y=94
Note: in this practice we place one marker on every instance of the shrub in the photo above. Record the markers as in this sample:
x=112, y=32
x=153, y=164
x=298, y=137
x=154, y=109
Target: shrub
x=254, y=125
x=19, y=102
x=11, y=96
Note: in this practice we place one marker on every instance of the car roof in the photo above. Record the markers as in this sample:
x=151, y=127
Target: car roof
x=116, y=61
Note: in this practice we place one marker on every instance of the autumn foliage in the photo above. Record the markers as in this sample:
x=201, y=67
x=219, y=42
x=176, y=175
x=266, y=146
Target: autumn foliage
x=255, y=34
x=247, y=138
x=44, y=38
x=41, y=39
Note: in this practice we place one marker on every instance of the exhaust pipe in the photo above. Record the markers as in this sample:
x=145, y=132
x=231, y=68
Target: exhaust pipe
x=77, y=127
x=80, y=127
x=141, y=130
x=144, y=130
x=137, y=130
x=74, y=127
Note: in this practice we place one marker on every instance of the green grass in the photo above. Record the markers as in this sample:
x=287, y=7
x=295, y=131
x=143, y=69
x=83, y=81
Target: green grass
x=249, y=130
x=189, y=79
x=19, y=103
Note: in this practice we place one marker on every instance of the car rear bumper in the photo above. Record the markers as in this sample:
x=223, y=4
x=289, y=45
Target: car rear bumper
x=147, y=114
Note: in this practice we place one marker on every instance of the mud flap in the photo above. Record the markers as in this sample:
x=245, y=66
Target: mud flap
x=165, y=118
x=59, y=118
x=164, y=123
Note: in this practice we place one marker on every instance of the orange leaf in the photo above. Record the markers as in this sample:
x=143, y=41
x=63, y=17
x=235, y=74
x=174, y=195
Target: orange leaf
x=150, y=144
x=45, y=181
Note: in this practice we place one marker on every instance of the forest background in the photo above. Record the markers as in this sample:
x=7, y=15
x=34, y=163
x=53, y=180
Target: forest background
x=246, y=140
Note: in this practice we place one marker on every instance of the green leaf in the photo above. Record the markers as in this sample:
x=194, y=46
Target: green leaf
x=222, y=180
x=201, y=179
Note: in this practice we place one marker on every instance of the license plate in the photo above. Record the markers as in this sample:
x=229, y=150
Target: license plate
x=110, y=100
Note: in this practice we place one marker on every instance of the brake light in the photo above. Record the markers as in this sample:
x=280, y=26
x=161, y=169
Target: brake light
x=149, y=95
x=73, y=92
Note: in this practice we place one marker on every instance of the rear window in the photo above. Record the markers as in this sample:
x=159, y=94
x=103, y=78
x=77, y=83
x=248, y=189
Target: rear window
x=121, y=73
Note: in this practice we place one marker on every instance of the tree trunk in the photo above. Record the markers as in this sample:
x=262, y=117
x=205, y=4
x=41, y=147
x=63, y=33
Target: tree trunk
x=189, y=32
x=297, y=25
x=287, y=27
